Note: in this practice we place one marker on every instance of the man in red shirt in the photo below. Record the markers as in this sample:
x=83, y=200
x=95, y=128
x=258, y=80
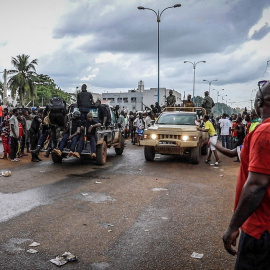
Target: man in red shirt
x=252, y=200
x=1, y=113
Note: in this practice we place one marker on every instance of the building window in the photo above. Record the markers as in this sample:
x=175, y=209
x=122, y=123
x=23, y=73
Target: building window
x=125, y=100
x=119, y=100
x=111, y=100
x=133, y=99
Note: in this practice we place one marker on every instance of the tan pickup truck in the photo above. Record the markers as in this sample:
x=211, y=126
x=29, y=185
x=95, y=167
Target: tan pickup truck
x=175, y=132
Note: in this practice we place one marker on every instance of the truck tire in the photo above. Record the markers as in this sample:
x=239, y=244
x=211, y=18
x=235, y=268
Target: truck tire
x=101, y=153
x=195, y=155
x=204, y=149
x=55, y=158
x=149, y=153
x=119, y=151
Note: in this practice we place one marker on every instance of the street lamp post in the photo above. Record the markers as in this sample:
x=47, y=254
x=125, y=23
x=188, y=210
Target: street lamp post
x=194, y=67
x=209, y=84
x=222, y=98
x=217, y=97
x=158, y=21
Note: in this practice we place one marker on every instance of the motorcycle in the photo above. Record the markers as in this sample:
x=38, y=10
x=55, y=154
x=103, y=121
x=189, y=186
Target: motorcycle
x=139, y=134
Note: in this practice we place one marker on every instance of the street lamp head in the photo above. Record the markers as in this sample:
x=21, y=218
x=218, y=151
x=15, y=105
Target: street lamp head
x=204, y=61
x=140, y=7
x=205, y=81
x=185, y=61
x=177, y=5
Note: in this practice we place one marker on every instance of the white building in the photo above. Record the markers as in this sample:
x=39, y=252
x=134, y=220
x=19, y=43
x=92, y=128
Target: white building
x=137, y=100
x=96, y=96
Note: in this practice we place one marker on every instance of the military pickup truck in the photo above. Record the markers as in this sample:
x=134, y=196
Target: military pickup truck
x=107, y=136
x=175, y=132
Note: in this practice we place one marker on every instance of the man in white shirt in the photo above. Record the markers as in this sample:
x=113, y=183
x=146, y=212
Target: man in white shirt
x=138, y=122
x=148, y=120
x=14, y=135
x=225, y=127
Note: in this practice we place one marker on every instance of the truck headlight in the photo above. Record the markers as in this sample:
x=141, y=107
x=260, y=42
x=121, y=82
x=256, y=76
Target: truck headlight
x=184, y=138
x=153, y=136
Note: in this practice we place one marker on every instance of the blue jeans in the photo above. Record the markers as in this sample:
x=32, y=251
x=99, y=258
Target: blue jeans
x=74, y=141
x=225, y=141
x=93, y=143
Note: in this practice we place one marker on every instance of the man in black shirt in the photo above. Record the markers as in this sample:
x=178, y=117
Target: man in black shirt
x=84, y=101
x=34, y=134
x=72, y=132
x=90, y=126
x=104, y=115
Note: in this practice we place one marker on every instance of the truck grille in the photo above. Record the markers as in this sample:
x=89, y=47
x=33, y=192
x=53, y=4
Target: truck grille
x=165, y=136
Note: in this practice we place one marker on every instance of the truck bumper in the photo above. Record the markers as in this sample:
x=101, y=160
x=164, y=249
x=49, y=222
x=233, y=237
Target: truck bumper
x=170, y=148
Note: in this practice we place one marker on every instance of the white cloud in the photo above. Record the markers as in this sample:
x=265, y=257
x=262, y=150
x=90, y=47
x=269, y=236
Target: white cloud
x=111, y=45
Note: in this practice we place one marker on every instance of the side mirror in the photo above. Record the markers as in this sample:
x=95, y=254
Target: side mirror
x=152, y=122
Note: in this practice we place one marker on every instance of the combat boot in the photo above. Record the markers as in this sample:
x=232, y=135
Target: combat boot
x=57, y=152
x=37, y=150
x=34, y=158
x=48, y=151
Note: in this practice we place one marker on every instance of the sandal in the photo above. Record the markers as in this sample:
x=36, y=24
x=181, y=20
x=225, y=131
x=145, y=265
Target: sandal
x=216, y=163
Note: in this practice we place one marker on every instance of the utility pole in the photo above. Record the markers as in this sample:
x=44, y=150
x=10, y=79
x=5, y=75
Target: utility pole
x=5, y=87
x=251, y=101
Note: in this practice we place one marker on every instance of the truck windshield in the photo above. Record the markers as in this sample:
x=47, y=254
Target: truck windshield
x=176, y=119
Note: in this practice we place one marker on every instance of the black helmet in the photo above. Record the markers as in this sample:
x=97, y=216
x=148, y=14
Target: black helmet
x=76, y=114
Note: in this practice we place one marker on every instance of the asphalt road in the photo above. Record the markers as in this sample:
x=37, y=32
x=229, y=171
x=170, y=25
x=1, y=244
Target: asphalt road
x=129, y=214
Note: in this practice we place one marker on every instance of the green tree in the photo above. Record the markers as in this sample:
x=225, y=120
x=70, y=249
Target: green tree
x=198, y=101
x=46, y=89
x=22, y=82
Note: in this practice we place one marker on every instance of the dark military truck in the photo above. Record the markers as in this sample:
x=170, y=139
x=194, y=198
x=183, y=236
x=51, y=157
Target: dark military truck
x=107, y=136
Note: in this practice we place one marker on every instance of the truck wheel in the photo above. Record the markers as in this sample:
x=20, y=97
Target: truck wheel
x=195, y=155
x=204, y=149
x=119, y=151
x=101, y=153
x=55, y=158
x=149, y=153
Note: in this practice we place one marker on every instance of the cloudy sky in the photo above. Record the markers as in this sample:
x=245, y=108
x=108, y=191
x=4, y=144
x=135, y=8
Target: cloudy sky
x=110, y=45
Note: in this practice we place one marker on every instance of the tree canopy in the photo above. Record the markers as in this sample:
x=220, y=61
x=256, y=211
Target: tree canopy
x=24, y=76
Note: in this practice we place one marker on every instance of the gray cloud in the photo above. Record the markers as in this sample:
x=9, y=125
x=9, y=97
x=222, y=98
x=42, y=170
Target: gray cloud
x=200, y=30
x=261, y=33
x=196, y=27
x=3, y=43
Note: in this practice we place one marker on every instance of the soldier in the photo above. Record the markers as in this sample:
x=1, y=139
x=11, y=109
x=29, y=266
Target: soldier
x=171, y=99
x=84, y=101
x=207, y=103
x=188, y=102
x=34, y=133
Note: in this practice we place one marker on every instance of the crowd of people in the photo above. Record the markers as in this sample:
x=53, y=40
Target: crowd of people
x=232, y=129
x=24, y=131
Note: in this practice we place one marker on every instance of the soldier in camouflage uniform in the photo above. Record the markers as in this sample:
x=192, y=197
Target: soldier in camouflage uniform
x=207, y=103
x=171, y=99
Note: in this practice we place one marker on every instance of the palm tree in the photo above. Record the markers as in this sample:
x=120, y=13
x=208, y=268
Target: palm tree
x=23, y=82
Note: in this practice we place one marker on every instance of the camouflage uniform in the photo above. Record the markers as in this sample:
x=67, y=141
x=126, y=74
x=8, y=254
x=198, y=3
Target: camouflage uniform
x=171, y=100
x=208, y=104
